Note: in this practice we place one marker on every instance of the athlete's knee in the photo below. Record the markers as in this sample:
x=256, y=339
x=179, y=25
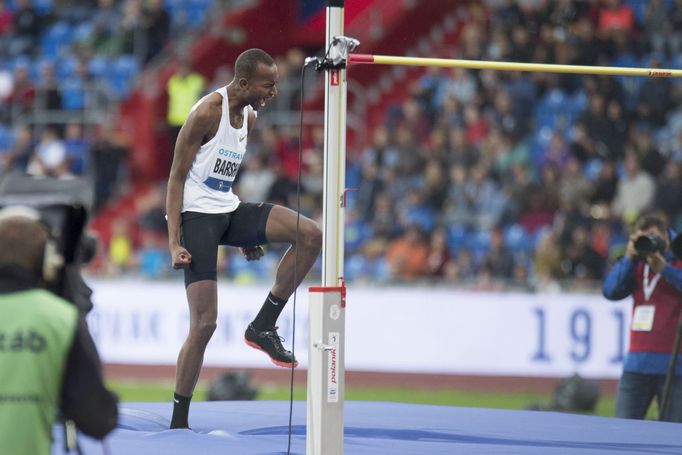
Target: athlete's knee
x=203, y=330
x=311, y=237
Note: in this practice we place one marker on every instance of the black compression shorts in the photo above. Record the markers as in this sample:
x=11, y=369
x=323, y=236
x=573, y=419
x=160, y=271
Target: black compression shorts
x=201, y=233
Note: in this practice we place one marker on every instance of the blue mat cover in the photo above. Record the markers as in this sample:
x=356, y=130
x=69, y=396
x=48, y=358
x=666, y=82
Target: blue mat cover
x=261, y=427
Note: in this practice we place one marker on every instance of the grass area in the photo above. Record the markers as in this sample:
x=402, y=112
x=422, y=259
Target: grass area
x=163, y=391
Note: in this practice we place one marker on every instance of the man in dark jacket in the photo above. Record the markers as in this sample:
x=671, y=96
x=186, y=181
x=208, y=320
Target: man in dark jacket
x=48, y=361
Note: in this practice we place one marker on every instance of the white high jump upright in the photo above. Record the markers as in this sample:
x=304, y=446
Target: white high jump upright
x=325, y=400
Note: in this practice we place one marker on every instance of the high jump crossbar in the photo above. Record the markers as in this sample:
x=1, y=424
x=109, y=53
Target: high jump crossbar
x=356, y=59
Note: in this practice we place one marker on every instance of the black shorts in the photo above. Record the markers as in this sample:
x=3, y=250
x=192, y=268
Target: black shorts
x=201, y=233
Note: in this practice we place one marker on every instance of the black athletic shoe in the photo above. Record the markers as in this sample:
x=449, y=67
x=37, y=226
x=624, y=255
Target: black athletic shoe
x=270, y=342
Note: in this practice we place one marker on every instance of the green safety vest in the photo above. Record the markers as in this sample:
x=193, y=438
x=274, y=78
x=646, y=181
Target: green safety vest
x=183, y=93
x=36, y=333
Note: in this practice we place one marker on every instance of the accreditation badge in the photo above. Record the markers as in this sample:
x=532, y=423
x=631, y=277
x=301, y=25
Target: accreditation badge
x=643, y=318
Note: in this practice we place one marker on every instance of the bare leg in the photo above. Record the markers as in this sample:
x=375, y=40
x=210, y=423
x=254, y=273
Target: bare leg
x=202, y=297
x=281, y=227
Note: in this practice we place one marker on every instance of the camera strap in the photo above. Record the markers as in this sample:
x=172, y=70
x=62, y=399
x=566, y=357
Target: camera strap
x=649, y=286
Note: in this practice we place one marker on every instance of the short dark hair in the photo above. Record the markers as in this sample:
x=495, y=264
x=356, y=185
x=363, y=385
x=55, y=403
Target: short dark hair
x=651, y=220
x=247, y=62
x=22, y=243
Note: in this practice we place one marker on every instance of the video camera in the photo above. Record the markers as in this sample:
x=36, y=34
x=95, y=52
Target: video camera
x=64, y=206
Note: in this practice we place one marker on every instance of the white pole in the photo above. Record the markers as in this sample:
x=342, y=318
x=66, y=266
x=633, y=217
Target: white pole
x=325, y=400
x=334, y=156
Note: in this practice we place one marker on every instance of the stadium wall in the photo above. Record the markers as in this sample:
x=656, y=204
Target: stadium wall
x=401, y=330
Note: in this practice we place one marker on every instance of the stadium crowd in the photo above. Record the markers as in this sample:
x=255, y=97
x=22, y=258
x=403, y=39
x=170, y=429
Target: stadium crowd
x=485, y=179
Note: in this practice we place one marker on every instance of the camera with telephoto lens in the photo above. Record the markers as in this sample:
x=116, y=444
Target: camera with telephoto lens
x=649, y=244
x=63, y=206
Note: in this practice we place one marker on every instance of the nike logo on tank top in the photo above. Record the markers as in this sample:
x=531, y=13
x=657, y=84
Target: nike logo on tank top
x=208, y=187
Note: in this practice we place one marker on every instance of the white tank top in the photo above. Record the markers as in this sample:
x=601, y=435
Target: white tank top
x=208, y=186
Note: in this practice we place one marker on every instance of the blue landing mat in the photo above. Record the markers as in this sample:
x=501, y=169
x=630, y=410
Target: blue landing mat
x=260, y=428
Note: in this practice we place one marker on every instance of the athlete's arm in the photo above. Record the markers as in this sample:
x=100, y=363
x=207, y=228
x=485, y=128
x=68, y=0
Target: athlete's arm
x=199, y=124
x=252, y=121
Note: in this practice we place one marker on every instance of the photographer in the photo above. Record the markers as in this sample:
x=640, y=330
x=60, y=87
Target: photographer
x=653, y=277
x=48, y=361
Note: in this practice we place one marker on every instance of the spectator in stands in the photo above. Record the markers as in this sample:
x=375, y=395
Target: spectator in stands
x=26, y=29
x=23, y=92
x=120, y=252
x=657, y=27
x=257, y=179
x=74, y=11
x=408, y=254
x=6, y=20
x=668, y=190
x=108, y=153
x=616, y=16
x=156, y=24
x=48, y=95
x=557, y=152
x=18, y=155
x=573, y=187
x=641, y=143
x=151, y=210
x=654, y=97
x=131, y=39
x=77, y=148
x=654, y=280
x=369, y=186
x=439, y=253
x=603, y=190
x=49, y=158
x=580, y=261
x=616, y=131
x=594, y=119
x=152, y=256
x=583, y=147
x=382, y=218
x=498, y=260
x=184, y=88
x=435, y=184
x=547, y=263
x=675, y=17
x=106, y=23
x=635, y=191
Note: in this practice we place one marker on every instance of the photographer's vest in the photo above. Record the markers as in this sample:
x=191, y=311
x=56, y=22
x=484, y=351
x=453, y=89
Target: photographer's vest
x=208, y=186
x=655, y=311
x=36, y=334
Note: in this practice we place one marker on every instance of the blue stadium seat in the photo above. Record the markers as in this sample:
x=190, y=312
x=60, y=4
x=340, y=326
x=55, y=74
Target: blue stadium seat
x=6, y=138
x=478, y=242
x=99, y=66
x=355, y=267
x=424, y=217
x=456, y=237
x=73, y=94
x=196, y=16
x=55, y=38
x=83, y=31
x=357, y=232
x=66, y=67
x=43, y=7
x=515, y=238
x=123, y=70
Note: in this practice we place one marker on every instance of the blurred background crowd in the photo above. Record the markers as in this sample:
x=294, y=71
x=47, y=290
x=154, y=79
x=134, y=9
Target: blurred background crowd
x=486, y=180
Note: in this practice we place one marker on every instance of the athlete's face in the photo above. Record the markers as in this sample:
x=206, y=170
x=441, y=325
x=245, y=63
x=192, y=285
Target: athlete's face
x=262, y=86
